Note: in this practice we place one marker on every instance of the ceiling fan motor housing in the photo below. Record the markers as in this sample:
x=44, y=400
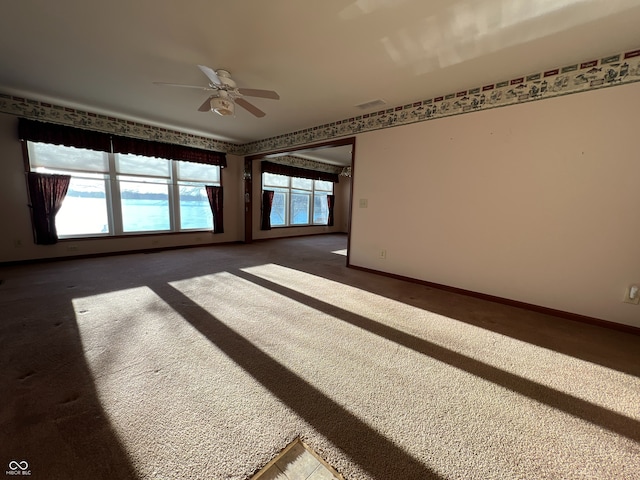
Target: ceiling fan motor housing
x=225, y=79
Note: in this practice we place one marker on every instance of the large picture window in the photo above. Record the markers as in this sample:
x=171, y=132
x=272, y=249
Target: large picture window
x=84, y=210
x=297, y=201
x=116, y=194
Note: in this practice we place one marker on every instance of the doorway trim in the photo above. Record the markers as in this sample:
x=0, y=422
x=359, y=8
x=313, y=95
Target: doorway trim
x=248, y=180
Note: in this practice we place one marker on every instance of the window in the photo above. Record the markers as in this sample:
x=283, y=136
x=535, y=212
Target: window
x=320, y=206
x=297, y=201
x=145, y=205
x=195, y=211
x=115, y=194
x=84, y=210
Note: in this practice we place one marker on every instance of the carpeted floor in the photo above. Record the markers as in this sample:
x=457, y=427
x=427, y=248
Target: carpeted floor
x=204, y=363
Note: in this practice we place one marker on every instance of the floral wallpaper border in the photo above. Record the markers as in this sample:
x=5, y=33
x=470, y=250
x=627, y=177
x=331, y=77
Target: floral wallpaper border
x=44, y=111
x=307, y=163
x=613, y=70
x=609, y=71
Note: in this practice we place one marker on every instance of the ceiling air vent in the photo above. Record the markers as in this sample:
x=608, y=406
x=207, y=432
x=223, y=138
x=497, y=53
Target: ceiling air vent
x=372, y=104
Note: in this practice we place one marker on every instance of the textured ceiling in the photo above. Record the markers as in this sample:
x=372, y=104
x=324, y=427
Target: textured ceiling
x=323, y=58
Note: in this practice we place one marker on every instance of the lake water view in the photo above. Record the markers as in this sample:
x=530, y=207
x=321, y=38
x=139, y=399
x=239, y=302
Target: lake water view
x=85, y=216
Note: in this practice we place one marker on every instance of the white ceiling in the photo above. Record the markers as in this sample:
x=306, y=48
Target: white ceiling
x=322, y=57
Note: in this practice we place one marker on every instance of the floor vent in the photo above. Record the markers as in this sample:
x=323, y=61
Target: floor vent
x=297, y=462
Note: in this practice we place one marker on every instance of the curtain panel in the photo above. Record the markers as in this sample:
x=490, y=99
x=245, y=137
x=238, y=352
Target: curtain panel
x=215, y=195
x=331, y=201
x=267, y=203
x=279, y=169
x=46, y=193
x=80, y=138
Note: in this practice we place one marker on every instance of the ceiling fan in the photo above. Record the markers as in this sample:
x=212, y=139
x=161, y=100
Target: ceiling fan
x=227, y=93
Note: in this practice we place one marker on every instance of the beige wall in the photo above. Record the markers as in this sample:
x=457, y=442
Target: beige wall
x=341, y=211
x=16, y=239
x=537, y=202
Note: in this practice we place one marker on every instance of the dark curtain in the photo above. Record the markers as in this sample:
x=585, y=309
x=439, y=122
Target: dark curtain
x=331, y=199
x=298, y=172
x=267, y=202
x=35, y=131
x=80, y=138
x=215, y=196
x=168, y=150
x=47, y=193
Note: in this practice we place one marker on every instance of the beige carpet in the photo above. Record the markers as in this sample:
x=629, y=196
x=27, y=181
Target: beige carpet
x=204, y=363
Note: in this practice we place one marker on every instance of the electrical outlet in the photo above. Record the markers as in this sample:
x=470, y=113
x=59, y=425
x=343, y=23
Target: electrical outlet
x=364, y=203
x=635, y=291
x=383, y=254
x=17, y=243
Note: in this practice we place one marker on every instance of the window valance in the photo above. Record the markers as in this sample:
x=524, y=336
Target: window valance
x=80, y=138
x=150, y=148
x=35, y=131
x=279, y=169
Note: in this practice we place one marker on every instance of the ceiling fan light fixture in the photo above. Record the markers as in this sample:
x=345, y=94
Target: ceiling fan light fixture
x=223, y=102
x=222, y=106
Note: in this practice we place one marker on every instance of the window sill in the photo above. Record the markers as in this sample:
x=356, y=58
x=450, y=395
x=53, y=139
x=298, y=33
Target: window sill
x=273, y=227
x=132, y=235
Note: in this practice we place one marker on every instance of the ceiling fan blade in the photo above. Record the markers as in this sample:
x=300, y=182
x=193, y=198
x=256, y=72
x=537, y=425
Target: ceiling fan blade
x=206, y=106
x=253, y=92
x=211, y=74
x=181, y=85
x=249, y=107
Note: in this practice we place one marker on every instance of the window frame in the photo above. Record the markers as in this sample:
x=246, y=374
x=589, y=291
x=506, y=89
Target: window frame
x=113, y=198
x=290, y=191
